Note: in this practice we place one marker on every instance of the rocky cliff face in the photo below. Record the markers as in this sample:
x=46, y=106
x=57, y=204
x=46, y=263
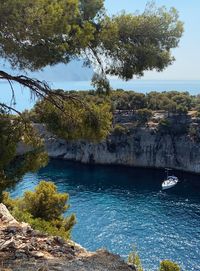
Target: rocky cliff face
x=142, y=147
x=22, y=249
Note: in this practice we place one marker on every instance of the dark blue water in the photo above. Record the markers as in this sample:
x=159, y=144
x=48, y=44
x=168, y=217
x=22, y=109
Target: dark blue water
x=118, y=207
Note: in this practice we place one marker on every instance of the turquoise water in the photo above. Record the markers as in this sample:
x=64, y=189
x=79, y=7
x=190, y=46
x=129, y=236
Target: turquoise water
x=118, y=207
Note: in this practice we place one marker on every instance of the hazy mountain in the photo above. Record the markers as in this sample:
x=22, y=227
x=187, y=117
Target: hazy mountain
x=74, y=71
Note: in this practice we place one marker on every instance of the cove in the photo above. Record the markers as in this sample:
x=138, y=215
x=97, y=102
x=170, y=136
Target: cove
x=118, y=207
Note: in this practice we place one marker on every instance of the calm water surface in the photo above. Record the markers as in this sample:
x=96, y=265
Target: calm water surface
x=118, y=207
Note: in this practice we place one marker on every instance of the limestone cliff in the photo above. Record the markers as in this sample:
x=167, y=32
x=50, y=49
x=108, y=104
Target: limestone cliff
x=140, y=146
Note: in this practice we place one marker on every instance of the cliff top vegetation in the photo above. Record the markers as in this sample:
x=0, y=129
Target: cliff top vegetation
x=123, y=107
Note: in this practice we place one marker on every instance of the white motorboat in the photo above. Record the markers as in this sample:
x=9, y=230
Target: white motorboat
x=170, y=182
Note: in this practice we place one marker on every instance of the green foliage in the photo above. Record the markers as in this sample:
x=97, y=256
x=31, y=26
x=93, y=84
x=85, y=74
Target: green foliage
x=136, y=100
x=194, y=133
x=38, y=33
x=173, y=126
x=172, y=101
x=143, y=115
x=134, y=43
x=79, y=120
x=44, y=32
x=45, y=202
x=12, y=131
x=91, y=9
x=197, y=114
x=182, y=109
x=128, y=100
x=134, y=259
x=92, y=118
x=101, y=84
x=165, y=125
x=119, y=130
x=183, y=99
x=8, y=140
x=167, y=265
x=43, y=209
x=196, y=102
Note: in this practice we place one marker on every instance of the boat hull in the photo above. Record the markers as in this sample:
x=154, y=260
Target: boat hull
x=168, y=186
x=169, y=183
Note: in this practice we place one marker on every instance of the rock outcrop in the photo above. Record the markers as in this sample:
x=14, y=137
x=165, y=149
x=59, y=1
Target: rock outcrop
x=141, y=147
x=22, y=249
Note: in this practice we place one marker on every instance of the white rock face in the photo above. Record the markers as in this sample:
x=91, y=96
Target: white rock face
x=142, y=147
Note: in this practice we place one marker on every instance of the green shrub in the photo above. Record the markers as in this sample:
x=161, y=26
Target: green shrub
x=134, y=259
x=165, y=126
x=197, y=114
x=13, y=130
x=194, y=133
x=143, y=115
x=43, y=209
x=45, y=202
x=165, y=123
x=171, y=126
x=119, y=130
x=167, y=265
x=181, y=109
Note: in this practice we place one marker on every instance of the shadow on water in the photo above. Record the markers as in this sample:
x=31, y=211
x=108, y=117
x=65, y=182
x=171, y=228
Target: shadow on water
x=94, y=177
x=118, y=206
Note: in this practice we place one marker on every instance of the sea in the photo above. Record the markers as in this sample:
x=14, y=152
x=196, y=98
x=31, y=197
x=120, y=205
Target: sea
x=123, y=208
